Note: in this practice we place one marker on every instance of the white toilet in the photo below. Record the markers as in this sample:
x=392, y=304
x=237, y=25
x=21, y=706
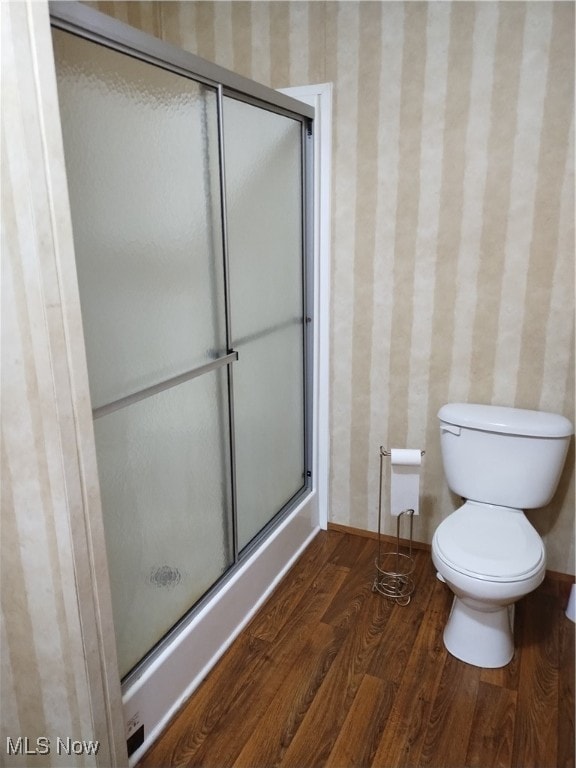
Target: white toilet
x=501, y=461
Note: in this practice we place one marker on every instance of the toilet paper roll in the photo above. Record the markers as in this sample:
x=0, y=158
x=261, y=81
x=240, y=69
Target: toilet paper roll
x=405, y=480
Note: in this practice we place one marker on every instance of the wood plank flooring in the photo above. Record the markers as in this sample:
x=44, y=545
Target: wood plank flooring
x=331, y=674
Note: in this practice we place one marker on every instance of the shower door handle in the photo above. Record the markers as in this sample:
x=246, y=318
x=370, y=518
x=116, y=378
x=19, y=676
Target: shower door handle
x=115, y=405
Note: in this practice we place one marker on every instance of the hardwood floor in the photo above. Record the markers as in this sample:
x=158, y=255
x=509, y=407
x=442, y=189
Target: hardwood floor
x=331, y=674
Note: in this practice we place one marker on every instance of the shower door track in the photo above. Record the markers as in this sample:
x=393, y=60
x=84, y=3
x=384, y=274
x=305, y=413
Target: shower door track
x=79, y=19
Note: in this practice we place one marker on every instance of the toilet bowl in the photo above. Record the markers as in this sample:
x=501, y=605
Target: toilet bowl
x=502, y=460
x=487, y=575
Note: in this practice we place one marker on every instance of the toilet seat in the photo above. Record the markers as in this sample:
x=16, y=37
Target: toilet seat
x=490, y=543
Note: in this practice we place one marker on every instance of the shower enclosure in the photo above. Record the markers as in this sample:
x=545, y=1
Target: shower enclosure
x=190, y=198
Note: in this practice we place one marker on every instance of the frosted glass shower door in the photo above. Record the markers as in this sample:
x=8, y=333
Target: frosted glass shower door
x=263, y=152
x=141, y=148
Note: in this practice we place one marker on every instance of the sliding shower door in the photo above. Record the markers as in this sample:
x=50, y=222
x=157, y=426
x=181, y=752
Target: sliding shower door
x=265, y=238
x=141, y=148
x=193, y=298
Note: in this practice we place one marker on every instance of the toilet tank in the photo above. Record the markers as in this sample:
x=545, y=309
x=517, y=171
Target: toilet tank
x=511, y=457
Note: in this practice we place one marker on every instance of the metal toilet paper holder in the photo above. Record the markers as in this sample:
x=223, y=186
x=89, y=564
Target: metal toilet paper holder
x=394, y=569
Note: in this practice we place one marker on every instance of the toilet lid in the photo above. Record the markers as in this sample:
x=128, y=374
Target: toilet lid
x=487, y=542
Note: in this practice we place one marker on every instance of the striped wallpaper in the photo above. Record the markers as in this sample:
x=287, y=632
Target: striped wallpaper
x=453, y=223
x=54, y=664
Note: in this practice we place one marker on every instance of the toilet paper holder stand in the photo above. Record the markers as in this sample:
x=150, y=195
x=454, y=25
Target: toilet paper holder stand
x=394, y=569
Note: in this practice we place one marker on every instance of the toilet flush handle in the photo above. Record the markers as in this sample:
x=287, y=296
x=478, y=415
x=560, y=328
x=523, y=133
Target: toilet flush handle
x=450, y=428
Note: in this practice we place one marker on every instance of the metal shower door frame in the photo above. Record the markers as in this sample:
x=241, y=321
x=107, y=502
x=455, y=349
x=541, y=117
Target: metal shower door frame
x=80, y=20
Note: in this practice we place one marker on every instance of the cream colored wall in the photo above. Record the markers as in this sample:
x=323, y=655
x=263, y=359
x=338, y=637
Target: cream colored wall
x=58, y=679
x=453, y=226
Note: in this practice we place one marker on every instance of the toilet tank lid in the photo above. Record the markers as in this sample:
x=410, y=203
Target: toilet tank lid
x=510, y=421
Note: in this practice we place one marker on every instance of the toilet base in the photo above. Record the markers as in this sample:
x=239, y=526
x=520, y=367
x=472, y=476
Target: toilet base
x=481, y=638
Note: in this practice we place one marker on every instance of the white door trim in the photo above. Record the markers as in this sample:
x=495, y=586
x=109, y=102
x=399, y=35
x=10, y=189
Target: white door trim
x=319, y=96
